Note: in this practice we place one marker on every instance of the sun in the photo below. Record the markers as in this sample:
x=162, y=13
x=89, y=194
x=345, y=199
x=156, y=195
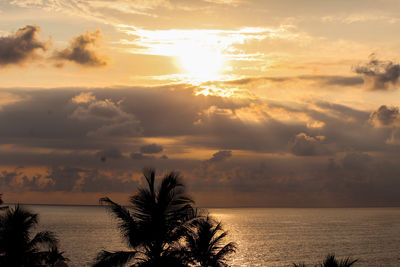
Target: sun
x=201, y=63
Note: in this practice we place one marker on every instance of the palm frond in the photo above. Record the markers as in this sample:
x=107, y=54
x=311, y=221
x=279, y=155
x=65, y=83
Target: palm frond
x=331, y=261
x=126, y=224
x=16, y=246
x=150, y=176
x=205, y=242
x=226, y=250
x=44, y=238
x=159, y=222
x=347, y=262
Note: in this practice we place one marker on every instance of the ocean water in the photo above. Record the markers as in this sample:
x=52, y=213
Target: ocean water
x=265, y=237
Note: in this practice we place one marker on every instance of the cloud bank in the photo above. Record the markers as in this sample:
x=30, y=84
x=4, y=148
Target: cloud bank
x=79, y=140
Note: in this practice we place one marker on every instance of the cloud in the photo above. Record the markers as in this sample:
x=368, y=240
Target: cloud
x=68, y=179
x=387, y=118
x=112, y=153
x=305, y=145
x=219, y=156
x=82, y=51
x=109, y=114
x=379, y=74
x=129, y=128
x=332, y=80
x=151, y=149
x=140, y=156
x=339, y=80
x=84, y=98
x=106, y=110
x=66, y=131
x=384, y=116
x=64, y=178
x=22, y=46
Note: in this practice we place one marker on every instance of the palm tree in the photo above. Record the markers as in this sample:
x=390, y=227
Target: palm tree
x=205, y=241
x=17, y=248
x=331, y=261
x=153, y=226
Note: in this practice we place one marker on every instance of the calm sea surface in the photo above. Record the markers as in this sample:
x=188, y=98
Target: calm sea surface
x=265, y=237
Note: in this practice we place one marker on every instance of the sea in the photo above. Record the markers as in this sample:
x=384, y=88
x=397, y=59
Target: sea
x=264, y=236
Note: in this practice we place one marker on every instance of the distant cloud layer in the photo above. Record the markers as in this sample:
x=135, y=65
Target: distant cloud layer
x=82, y=50
x=80, y=140
x=22, y=46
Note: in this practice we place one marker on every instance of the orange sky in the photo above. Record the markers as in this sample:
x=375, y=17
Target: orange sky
x=257, y=103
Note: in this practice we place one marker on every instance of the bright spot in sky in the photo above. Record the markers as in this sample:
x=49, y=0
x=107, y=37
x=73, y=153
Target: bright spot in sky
x=201, y=63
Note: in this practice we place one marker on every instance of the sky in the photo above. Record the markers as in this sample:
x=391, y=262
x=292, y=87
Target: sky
x=255, y=103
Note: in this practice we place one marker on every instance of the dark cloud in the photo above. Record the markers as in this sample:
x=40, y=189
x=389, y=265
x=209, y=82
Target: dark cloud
x=114, y=121
x=151, y=149
x=49, y=119
x=69, y=179
x=82, y=51
x=21, y=46
x=379, y=74
x=340, y=80
x=110, y=153
x=102, y=109
x=333, y=80
x=305, y=145
x=59, y=131
x=353, y=179
x=220, y=156
x=119, y=129
x=384, y=116
x=64, y=178
x=97, y=181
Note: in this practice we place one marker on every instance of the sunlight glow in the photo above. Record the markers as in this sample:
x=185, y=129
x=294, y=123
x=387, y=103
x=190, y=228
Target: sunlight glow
x=201, y=63
x=203, y=54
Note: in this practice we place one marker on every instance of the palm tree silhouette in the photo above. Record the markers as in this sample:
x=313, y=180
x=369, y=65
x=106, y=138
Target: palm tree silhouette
x=205, y=240
x=17, y=248
x=331, y=261
x=153, y=226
